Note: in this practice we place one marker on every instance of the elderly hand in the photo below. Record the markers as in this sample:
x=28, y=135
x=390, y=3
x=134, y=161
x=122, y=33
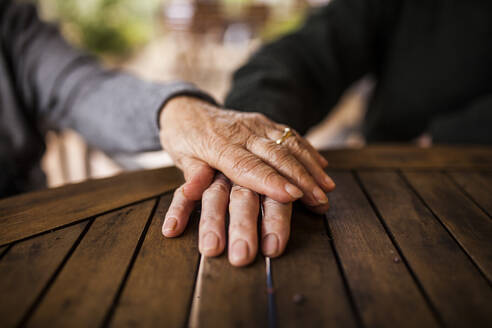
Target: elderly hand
x=201, y=137
x=244, y=207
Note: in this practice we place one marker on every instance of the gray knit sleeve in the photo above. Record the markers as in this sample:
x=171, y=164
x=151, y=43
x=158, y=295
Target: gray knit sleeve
x=62, y=87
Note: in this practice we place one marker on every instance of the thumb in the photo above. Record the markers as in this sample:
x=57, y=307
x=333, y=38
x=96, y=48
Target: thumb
x=198, y=176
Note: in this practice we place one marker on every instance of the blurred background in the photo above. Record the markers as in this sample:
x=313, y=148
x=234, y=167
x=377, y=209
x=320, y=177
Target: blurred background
x=202, y=41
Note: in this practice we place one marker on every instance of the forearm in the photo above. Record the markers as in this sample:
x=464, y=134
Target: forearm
x=62, y=87
x=120, y=113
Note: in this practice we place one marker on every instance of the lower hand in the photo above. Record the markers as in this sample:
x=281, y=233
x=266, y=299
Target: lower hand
x=244, y=207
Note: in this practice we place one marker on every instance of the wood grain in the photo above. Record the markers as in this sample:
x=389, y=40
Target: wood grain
x=232, y=297
x=160, y=286
x=309, y=272
x=405, y=156
x=478, y=185
x=383, y=290
x=29, y=214
x=454, y=285
x=471, y=227
x=28, y=266
x=86, y=286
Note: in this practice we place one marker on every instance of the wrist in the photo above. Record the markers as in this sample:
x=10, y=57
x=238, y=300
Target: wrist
x=171, y=108
x=182, y=106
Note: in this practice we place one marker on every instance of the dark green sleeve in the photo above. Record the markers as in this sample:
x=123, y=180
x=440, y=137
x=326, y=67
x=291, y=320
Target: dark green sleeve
x=472, y=125
x=299, y=78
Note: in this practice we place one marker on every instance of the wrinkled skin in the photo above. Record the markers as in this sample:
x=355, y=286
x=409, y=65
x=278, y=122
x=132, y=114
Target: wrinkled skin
x=201, y=139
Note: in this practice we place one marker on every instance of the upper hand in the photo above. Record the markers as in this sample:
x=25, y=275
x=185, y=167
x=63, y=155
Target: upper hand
x=201, y=137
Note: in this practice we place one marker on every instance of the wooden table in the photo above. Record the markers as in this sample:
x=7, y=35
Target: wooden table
x=407, y=243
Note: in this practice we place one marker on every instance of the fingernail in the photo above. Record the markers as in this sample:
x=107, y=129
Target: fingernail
x=293, y=191
x=239, y=251
x=270, y=244
x=329, y=182
x=324, y=161
x=320, y=196
x=210, y=242
x=170, y=225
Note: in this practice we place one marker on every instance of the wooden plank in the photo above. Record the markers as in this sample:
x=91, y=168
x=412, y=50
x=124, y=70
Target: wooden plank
x=160, y=286
x=29, y=214
x=382, y=288
x=85, y=288
x=454, y=285
x=478, y=185
x=28, y=266
x=308, y=283
x=230, y=296
x=404, y=156
x=471, y=227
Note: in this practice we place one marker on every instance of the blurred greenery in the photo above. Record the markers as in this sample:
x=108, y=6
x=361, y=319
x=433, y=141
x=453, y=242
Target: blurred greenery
x=119, y=27
x=114, y=27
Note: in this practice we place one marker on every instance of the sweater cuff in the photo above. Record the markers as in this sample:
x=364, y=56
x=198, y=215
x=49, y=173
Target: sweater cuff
x=176, y=89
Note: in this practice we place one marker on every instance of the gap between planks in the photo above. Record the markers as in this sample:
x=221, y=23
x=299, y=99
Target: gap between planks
x=53, y=277
x=473, y=234
x=116, y=299
x=59, y=227
x=397, y=246
x=451, y=282
x=70, y=293
x=473, y=186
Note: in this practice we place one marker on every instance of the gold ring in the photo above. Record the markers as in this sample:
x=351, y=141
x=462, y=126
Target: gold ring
x=287, y=133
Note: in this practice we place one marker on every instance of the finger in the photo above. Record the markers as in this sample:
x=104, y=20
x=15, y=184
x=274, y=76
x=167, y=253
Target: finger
x=211, y=233
x=322, y=209
x=308, y=157
x=314, y=153
x=243, y=216
x=311, y=159
x=275, y=226
x=286, y=163
x=198, y=176
x=275, y=134
x=303, y=155
x=178, y=214
x=246, y=169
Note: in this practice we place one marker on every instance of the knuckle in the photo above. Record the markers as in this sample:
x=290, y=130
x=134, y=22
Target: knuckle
x=278, y=153
x=295, y=144
x=246, y=163
x=218, y=187
x=239, y=192
x=256, y=116
x=240, y=225
x=177, y=207
x=250, y=141
x=270, y=203
x=270, y=177
x=284, y=159
x=208, y=195
x=221, y=152
x=232, y=127
x=301, y=175
x=275, y=218
x=208, y=219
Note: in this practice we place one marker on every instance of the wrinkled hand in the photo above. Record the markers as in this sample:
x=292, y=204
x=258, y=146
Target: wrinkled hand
x=201, y=137
x=244, y=207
